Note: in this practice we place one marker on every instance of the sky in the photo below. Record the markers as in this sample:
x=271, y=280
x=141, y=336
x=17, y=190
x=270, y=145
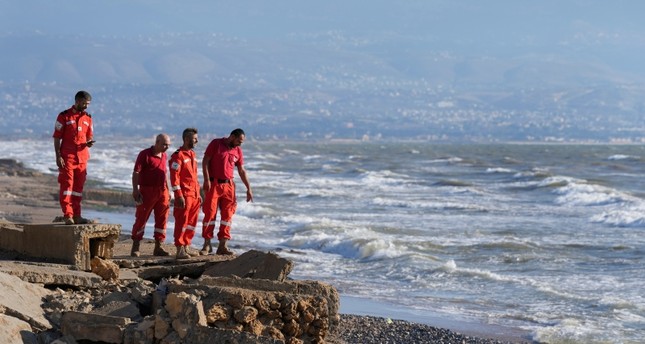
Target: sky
x=611, y=29
x=470, y=20
x=521, y=45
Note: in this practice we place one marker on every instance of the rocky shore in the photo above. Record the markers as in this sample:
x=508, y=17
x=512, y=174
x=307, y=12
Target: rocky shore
x=30, y=197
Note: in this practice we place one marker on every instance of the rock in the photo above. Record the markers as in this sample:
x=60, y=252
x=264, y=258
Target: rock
x=186, y=311
x=295, y=311
x=14, y=330
x=253, y=264
x=140, y=333
x=22, y=300
x=104, y=268
x=51, y=274
x=124, y=309
x=94, y=327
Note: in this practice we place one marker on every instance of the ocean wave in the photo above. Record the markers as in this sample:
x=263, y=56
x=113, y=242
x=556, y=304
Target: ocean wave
x=630, y=216
x=428, y=204
x=352, y=248
x=256, y=211
x=330, y=237
x=499, y=170
x=577, y=192
x=452, y=182
x=623, y=157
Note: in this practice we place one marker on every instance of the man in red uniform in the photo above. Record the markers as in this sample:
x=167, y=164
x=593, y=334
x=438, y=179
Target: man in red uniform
x=150, y=192
x=73, y=135
x=221, y=156
x=185, y=185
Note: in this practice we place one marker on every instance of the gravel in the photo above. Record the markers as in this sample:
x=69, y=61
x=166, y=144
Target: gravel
x=367, y=329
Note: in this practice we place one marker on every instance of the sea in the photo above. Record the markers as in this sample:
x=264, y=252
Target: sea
x=544, y=239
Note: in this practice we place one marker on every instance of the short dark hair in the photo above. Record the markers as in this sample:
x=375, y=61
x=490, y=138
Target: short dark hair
x=83, y=95
x=237, y=132
x=187, y=132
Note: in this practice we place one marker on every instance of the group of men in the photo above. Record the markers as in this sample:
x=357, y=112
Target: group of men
x=73, y=135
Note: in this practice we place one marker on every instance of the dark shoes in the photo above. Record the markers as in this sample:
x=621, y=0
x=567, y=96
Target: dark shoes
x=81, y=220
x=159, y=251
x=207, y=249
x=224, y=251
x=134, y=252
x=181, y=253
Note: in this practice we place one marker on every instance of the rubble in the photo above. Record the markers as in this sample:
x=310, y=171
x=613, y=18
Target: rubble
x=244, y=299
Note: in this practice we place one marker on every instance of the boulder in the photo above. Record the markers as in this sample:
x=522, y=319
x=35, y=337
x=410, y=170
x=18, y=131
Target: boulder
x=14, y=330
x=94, y=327
x=253, y=264
x=22, y=300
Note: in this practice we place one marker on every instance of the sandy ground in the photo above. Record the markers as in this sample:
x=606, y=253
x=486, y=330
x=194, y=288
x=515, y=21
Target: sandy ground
x=27, y=196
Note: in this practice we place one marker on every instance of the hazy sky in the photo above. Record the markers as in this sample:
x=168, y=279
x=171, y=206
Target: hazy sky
x=552, y=46
x=473, y=20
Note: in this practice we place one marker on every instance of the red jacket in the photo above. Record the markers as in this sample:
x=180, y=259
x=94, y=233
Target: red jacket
x=74, y=129
x=183, y=173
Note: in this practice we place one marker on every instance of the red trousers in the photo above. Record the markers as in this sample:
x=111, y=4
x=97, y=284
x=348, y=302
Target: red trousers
x=220, y=196
x=71, y=179
x=155, y=198
x=186, y=220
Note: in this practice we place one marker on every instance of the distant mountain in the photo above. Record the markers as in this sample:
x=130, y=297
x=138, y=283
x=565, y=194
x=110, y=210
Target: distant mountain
x=312, y=90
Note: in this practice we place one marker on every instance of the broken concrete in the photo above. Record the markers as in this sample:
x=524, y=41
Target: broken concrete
x=94, y=327
x=75, y=244
x=163, y=300
x=48, y=274
x=22, y=301
x=14, y=330
x=301, y=310
x=254, y=264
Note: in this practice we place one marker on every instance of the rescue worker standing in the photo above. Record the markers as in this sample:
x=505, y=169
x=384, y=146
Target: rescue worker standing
x=221, y=156
x=150, y=193
x=73, y=135
x=185, y=185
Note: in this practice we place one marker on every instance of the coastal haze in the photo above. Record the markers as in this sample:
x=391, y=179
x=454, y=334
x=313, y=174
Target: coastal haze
x=433, y=70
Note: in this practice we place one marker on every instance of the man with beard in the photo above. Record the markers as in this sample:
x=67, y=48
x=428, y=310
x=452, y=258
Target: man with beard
x=220, y=158
x=185, y=185
x=73, y=135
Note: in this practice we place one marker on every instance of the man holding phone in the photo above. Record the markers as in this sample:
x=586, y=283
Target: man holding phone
x=73, y=135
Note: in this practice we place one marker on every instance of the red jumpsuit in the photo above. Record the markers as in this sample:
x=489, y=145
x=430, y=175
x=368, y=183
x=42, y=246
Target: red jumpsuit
x=222, y=191
x=184, y=182
x=74, y=129
x=154, y=191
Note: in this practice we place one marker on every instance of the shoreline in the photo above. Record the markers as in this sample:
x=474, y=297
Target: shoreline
x=353, y=305
x=28, y=196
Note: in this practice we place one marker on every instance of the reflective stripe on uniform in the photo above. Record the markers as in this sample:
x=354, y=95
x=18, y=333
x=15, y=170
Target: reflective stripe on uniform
x=176, y=187
x=225, y=223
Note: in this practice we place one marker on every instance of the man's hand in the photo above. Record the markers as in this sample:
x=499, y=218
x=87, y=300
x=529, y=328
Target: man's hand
x=180, y=202
x=249, y=195
x=60, y=162
x=90, y=143
x=207, y=185
x=138, y=198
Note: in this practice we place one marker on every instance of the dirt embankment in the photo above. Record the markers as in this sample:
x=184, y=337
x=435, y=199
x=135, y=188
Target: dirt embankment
x=28, y=196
